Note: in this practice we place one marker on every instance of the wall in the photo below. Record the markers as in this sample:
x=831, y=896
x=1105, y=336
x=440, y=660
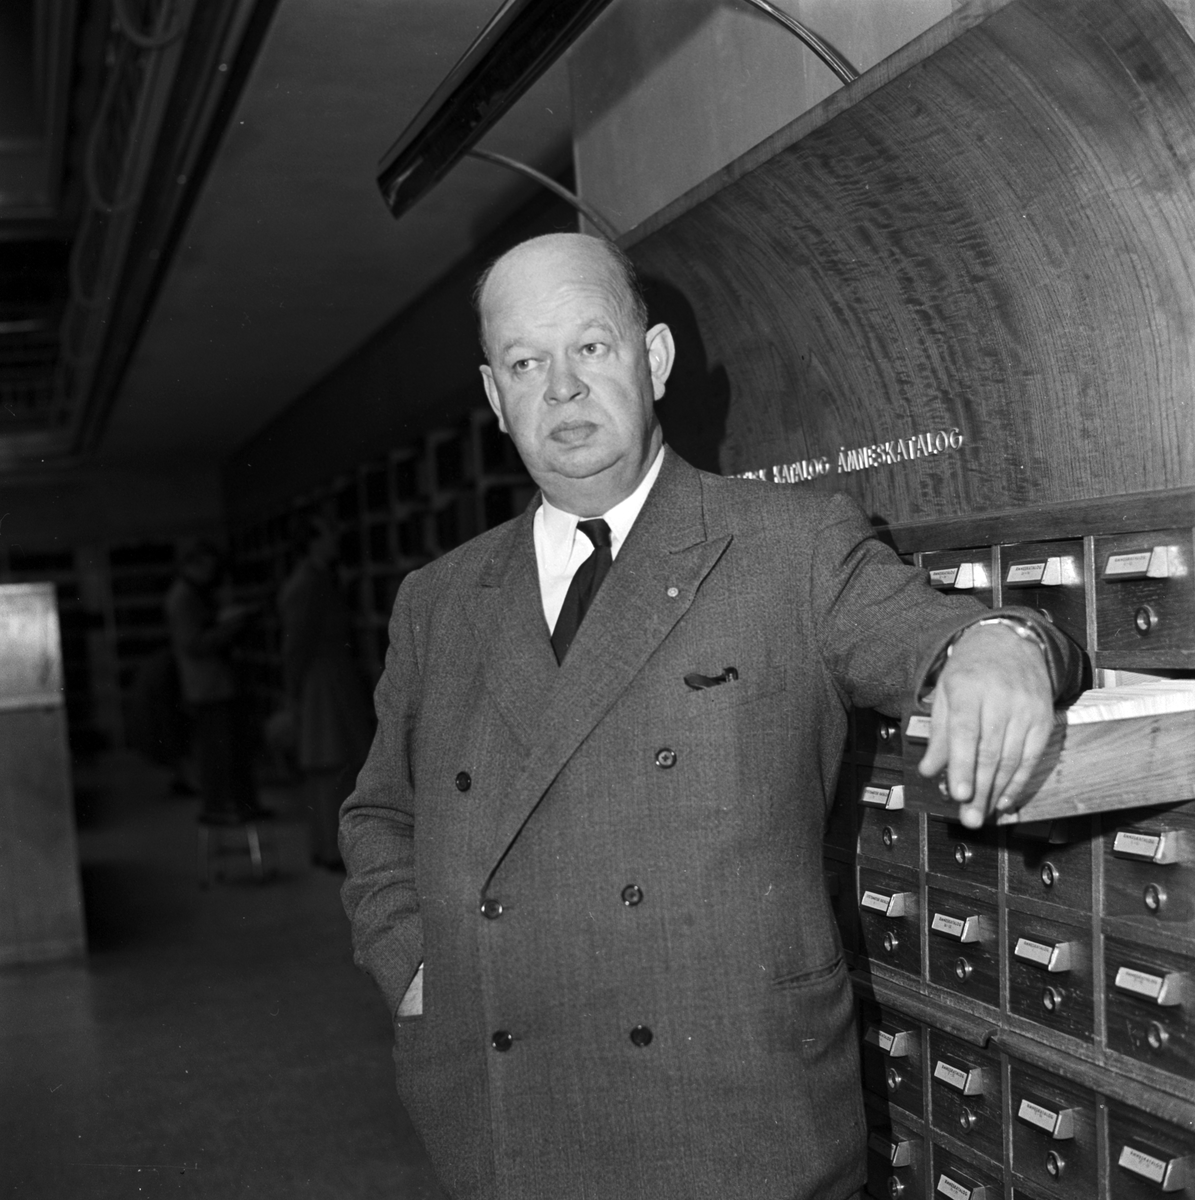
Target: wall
x=665, y=94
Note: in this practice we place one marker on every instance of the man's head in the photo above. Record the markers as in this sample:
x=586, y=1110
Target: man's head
x=572, y=371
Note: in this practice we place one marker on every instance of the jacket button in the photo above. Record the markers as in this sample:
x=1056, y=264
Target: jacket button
x=632, y=894
x=491, y=909
x=502, y=1041
x=464, y=781
x=665, y=758
x=640, y=1036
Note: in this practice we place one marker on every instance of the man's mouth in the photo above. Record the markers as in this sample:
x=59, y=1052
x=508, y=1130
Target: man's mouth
x=570, y=432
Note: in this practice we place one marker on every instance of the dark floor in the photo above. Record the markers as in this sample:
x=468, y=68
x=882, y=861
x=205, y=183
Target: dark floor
x=214, y=1044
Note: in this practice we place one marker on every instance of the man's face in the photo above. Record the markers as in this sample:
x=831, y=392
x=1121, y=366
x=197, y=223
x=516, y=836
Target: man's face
x=571, y=379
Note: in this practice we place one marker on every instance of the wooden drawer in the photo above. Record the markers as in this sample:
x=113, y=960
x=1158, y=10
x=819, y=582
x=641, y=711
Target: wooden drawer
x=965, y=571
x=891, y=1057
x=954, y=1179
x=895, y=1161
x=1051, y=860
x=887, y=830
x=1053, y=1134
x=963, y=951
x=1048, y=578
x=1144, y=594
x=1049, y=974
x=889, y=925
x=971, y=854
x=965, y=1093
x=1148, y=1158
x=1150, y=1005
x=1149, y=865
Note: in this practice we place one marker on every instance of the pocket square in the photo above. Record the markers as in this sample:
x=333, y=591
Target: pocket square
x=697, y=682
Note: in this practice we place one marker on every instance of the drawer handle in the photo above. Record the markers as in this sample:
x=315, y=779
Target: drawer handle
x=1052, y=998
x=1161, y=849
x=891, y=904
x=958, y=929
x=1170, y=1174
x=1059, y=1125
x=893, y=1042
x=1166, y=990
x=1055, y=958
x=1055, y=1164
x=967, y=1080
x=896, y=1152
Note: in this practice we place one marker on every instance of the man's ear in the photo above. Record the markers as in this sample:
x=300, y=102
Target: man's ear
x=661, y=353
x=491, y=394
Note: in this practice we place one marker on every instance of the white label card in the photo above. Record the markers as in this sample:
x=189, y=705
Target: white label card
x=918, y=728
x=876, y=797
x=1136, y=563
x=1025, y=572
x=1136, y=845
x=948, y=1073
x=877, y=901
x=956, y=1191
x=1140, y=983
x=951, y=926
x=1037, y=1115
x=945, y=576
x=1034, y=952
x=1140, y=1163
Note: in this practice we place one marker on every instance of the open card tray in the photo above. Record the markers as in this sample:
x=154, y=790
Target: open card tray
x=1113, y=748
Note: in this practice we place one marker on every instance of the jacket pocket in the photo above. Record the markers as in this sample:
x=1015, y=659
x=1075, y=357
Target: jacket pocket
x=752, y=684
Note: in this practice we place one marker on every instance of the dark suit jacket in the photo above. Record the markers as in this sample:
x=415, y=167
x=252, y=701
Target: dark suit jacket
x=497, y=775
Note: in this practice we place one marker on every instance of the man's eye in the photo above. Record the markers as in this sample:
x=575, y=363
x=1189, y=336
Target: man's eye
x=521, y=365
x=592, y=348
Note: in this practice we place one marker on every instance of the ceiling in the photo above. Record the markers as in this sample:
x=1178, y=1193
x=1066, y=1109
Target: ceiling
x=287, y=258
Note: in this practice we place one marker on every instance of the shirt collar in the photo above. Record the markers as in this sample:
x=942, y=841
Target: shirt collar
x=560, y=527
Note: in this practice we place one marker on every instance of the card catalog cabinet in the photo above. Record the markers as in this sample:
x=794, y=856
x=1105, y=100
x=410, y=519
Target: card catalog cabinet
x=1027, y=993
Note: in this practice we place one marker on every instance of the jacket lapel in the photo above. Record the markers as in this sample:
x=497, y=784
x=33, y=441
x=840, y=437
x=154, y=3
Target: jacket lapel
x=667, y=549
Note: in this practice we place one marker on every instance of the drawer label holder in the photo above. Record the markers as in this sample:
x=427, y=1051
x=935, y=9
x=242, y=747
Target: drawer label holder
x=896, y=1152
x=1170, y=1173
x=1059, y=1125
x=1165, y=990
x=958, y=929
x=1154, y=563
x=918, y=727
x=892, y=799
x=896, y=904
x=956, y=1190
x=968, y=1080
x=1158, y=848
x=893, y=1042
x=1056, y=958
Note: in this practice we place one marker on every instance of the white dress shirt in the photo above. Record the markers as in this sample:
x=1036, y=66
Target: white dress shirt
x=560, y=549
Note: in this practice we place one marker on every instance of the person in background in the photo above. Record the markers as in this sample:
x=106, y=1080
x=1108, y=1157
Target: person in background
x=328, y=701
x=203, y=634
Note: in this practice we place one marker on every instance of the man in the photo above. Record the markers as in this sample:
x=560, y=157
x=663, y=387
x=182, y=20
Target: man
x=607, y=854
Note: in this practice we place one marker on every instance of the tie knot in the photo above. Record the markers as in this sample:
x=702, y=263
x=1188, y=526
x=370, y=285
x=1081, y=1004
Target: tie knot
x=597, y=531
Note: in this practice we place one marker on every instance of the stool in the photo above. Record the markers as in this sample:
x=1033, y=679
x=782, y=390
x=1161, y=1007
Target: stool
x=216, y=830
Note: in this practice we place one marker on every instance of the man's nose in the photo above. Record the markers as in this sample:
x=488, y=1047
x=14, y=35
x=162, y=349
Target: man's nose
x=564, y=384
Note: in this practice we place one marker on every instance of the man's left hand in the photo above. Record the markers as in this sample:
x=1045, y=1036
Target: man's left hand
x=993, y=710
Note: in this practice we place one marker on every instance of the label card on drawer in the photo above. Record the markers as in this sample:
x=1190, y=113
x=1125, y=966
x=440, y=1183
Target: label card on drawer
x=1123, y=566
x=1162, y=989
x=1024, y=573
x=891, y=906
x=945, y=576
x=893, y=798
x=968, y=1080
x=960, y=1191
x=1041, y=954
x=918, y=728
x=961, y=929
x=896, y=1153
x=1170, y=1173
x=1059, y=1125
x=1159, y=848
x=893, y=1042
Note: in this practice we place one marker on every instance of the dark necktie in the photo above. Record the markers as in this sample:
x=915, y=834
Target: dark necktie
x=584, y=586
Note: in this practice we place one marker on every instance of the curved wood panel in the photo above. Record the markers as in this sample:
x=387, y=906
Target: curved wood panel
x=999, y=241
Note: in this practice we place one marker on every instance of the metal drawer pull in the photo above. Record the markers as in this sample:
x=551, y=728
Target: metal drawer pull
x=1161, y=849
x=897, y=1153
x=1059, y=1125
x=968, y=1080
x=892, y=799
x=1056, y=958
x=894, y=905
x=1170, y=1174
x=959, y=929
x=1166, y=990
x=893, y=1042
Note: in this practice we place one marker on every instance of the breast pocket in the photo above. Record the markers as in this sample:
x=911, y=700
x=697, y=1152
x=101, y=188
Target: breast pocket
x=752, y=684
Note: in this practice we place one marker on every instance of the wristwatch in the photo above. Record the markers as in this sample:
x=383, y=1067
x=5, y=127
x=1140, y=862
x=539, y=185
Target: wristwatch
x=1023, y=629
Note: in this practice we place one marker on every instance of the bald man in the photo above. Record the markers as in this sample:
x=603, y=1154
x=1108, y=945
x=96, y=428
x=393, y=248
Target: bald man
x=608, y=735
